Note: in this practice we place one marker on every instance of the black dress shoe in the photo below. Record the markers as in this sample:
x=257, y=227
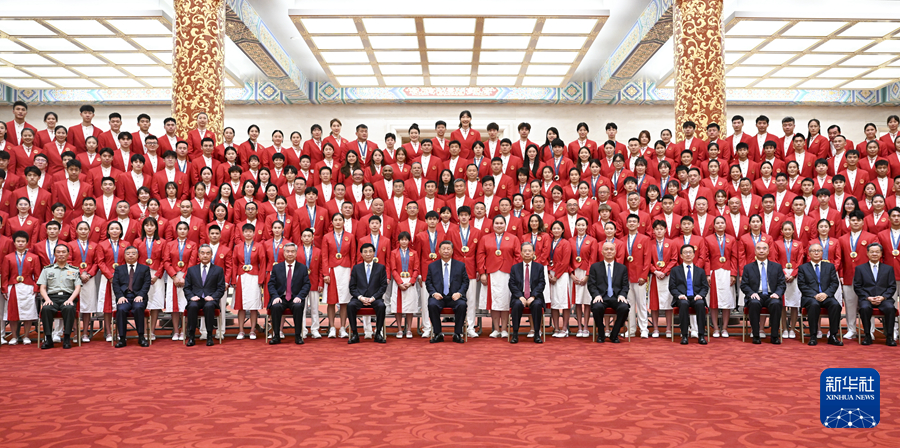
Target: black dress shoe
x=143, y=342
x=756, y=340
x=67, y=342
x=120, y=344
x=437, y=338
x=866, y=340
x=891, y=343
x=776, y=340
x=537, y=339
x=684, y=340
x=702, y=340
x=600, y=338
x=614, y=339
x=299, y=340
x=274, y=341
x=354, y=339
x=191, y=342
x=379, y=338
x=458, y=338
x=514, y=339
x=813, y=342
x=47, y=344
x=833, y=340
x=209, y=342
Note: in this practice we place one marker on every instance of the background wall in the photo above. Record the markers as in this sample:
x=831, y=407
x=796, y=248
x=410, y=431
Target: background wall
x=383, y=118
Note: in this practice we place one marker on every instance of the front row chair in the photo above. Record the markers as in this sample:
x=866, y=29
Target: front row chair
x=219, y=334
x=58, y=315
x=691, y=313
x=609, y=311
x=875, y=313
x=115, y=332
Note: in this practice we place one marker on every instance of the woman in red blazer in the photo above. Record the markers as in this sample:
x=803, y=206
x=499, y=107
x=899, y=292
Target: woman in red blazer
x=790, y=254
x=817, y=144
x=585, y=250
x=559, y=265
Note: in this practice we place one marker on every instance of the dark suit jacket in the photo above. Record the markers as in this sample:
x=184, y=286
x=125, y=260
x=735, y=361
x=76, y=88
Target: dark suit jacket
x=678, y=283
x=597, y=281
x=459, y=279
x=214, y=286
x=809, y=285
x=750, y=280
x=375, y=288
x=140, y=286
x=866, y=286
x=299, y=282
x=517, y=281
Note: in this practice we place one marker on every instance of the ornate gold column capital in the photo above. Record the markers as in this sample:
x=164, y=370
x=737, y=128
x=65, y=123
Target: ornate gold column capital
x=699, y=65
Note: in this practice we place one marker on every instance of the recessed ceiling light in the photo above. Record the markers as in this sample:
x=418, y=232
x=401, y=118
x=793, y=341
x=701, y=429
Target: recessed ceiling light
x=153, y=70
x=888, y=46
x=792, y=45
x=24, y=28
x=449, y=80
x=542, y=81
x=509, y=26
x=394, y=42
x=8, y=45
x=731, y=58
x=347, y=81
x=777, y=83
x=449, y=26
x=165, y=82
x=743, y=71
x=813, y=29
x=345, y=57
x=485, y=69
x=154, y=43
x=390, y=26
x=338, y=42
x=25, y=59
x=404, y=80
x=50, y=44
x=512, y=57
x=767, y=59
x=496, y=80
x=80, y=27
x=74, y=83
x=843, y=45
x=796, y=72
x=166, y=57
x=865, y=84
x=568, y=26
x=870, y=29
x=106, y=44
x=50, y=72
x=742, y=43
x=842, y=72
x=450, y=56
x=26, y=83
x=559, y=57
x=547, y=70
x=449, y=69
x=818, y=59
x=450, y=42
x=869, y=60
x=9, y=72
x=118, y=82
x=756, y=28
x=128, y=59
x=397, y=56
x=351, y=69
x=884, y=73
x=76, y=59
x=822, y=83
x=737, y=83
x=99, y=71
x=505, y=42
x=329, y=26
x=400, y=69
x=141, y=27
x=560, y=42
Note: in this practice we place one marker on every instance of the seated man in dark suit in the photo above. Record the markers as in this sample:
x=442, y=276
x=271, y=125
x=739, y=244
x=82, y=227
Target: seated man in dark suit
x=447, y=283
x=875, y=286
x=526, y=290
x=608, y=285
x=688, y=286
x=288, y=288
x=130, y=285
x=204, y=287
x=763, y=285
x=818, y=282
x=368, y=283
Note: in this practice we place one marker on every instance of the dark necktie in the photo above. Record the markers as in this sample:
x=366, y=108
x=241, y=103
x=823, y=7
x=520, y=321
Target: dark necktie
x=290, y=276
x=818, y=277
x=130, y=276
x=203, y=277
x=527, y=282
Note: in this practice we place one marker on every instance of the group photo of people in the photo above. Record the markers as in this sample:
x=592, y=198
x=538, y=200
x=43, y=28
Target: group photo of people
x=116, y=234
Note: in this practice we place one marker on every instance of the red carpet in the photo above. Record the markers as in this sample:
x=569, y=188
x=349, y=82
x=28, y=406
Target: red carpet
x=486, y=393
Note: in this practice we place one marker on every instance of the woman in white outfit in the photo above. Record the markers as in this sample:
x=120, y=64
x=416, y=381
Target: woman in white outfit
x=150, y=252
x=560, y=262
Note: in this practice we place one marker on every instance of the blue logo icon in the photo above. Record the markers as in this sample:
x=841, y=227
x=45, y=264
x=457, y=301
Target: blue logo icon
x=850, y=398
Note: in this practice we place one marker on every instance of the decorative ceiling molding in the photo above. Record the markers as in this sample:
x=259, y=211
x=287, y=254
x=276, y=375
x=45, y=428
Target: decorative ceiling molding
x=247, y=30
x=572, y=93
x=651, y=31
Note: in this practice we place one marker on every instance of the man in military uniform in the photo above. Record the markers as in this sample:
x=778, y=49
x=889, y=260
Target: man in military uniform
x=60, y=285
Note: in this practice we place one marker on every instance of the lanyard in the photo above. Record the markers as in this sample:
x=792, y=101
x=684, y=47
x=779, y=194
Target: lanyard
x=20, y=261
x=432, y=241
x=247, y=250
x=338, y=240
x=181, y=246
x=721, y=245
x=825, y=245
x=659, y=250
x=275, y=248
x=308, y=251
x=641, y=182
x=149, y=243
x=534, y=239
x=465, y=237
x=311, y=215
x=404, y=260
x=115, y=249
x=51, y=253
x=556, y=163
x=895, y=242
x=375, y=240
x=853, y=242
x=83, y=249
x=631, y=239
x=578, y=243
x=498, y=237
x=788, y=246
x=755, y=240
x=553, y=247
x=594, y=181
x=615, y=180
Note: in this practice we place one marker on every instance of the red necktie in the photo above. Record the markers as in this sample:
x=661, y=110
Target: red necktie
x=527, y=282
x=287, y=292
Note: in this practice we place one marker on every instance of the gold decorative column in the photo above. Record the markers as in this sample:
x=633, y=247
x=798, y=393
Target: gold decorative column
x=699, y=64
x=198, y=62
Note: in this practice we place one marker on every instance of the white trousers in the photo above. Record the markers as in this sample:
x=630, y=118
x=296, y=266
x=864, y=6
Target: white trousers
x=472, y=295
x=312, y=307
x=851, y=304
x=638, y=300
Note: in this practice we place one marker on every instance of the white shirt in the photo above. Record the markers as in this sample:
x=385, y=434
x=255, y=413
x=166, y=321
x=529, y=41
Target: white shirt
x=138, y=179
x=472, y=188
x=572, y=219
x=105, y=171
x=32, y=196
x=389, y=188
x=800, y=157
x=357, y=192
x=170, y=175
x=453, y=161
x=88, y=131
x=108, y=203
x=851, y=177
x=460, y=201
x=883, y=183
x=746, y=202
x=74, y=188
x=692, y=194
x=701, y=221
x=429, y=204
x=745, y=165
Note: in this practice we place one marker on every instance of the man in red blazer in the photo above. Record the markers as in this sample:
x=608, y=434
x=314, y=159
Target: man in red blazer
x=362, y=145
x=737, y=123
x=694, y=190
x=61, y=191
x=518, y=148
x=39, y=197
x=310, y=215
x=169, y=141
x=431, y=164
x=128, y=183
x=143, y=122
x=104, y=170
x=690, y=141
x=196, y=136
x=726, y=151
x=14, y=128
x=757, y=149
x=110, y=138
x=170, y=174
x=204, y=159
x=196, y=225
x=83, y=130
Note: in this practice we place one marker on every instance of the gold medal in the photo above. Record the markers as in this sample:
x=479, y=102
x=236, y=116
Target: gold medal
x=433, y=255
x=853, y=255
x=149, y=261
x=578, y=259
x=115, y=265
x=20, y=279
x=404, y=275
x=180, y=264
x=630, y=258
x=661, y=263
x=789, y=266
x=895, y=252
x=83, y=265
x=825, y=261
x=248, y=268
x=338, y=255
x=375, y=260
x=465, y=249
x=722, y=259
x=309, y=272
x=498, y=253
x=556, y=177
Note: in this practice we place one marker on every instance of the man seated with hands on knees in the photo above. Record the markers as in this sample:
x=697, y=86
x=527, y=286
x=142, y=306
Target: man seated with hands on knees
x=875, y=286
x=288, y=288
x=689, y=287
x=818, y=283
x=130, y=285
x=763, y=285
x=60, y=285
x=368, y=283
x=204, y=287
x=447, y=283
x=608, y=285
x=526, y=287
